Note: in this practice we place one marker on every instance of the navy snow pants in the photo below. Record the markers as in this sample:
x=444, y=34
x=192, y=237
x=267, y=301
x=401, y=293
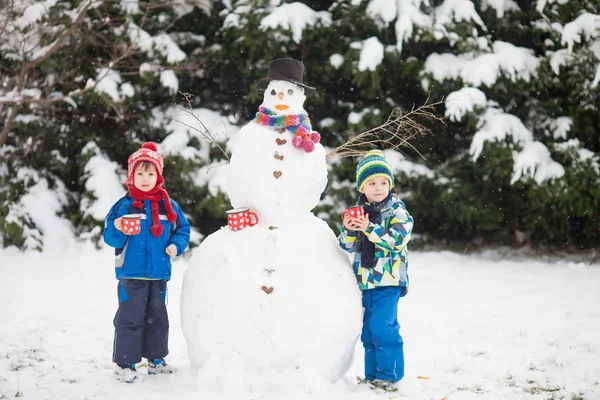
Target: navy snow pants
x=141, y=322
x=384, y=351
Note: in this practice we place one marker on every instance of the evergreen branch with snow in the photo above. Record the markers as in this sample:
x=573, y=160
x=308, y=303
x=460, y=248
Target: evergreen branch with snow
x=21, y=94
x=396, y=132
x=27, y=65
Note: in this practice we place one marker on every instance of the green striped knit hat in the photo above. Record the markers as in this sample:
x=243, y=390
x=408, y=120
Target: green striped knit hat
x=374, y=164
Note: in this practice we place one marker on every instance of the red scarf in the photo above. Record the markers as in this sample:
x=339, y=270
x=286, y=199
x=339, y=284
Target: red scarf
x=154, y=195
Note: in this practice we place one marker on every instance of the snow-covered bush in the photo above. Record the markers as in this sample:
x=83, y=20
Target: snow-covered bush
x=520, y=81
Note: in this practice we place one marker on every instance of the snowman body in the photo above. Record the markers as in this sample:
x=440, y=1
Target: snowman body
x=279, y=182
x=282, y=292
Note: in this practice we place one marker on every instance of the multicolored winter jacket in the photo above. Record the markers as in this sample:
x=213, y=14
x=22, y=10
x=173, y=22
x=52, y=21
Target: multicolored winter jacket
x=143, y=256
x=390, y=238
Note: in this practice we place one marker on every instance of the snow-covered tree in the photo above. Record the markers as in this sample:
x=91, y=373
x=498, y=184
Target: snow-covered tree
x=78, y=84
x=520, y=82
x=83, y=83
x=526, y=89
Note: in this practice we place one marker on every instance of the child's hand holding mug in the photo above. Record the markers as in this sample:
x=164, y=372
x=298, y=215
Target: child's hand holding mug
x=129, y=224
x=171, y=250
x=354, y=218
x=358, y=223
x=348, y=222
x=119, y=224
x=361, y=222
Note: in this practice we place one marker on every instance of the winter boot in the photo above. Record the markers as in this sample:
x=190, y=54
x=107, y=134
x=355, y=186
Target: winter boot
x=159, y=366
x=388, y=386
x=126, y=373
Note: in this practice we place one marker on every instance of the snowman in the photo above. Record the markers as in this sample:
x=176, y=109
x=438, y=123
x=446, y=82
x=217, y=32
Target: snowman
x=272, y=291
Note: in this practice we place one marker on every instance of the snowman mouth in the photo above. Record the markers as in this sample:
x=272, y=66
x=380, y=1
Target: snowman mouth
x=282, y=107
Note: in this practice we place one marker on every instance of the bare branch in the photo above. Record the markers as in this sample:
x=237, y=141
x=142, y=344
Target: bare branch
x=62, y=38
x=7, y=124
x=177, y=18
x=17, y=104
x=26, y=66
x=9, y=11
x=195, y=66
x=145, y=17
x=155, y=6
x=396, y=132
x=116, y=59
x=204, y=132
x=15, y=109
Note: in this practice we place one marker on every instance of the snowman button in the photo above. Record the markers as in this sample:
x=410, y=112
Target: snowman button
x=267, y=289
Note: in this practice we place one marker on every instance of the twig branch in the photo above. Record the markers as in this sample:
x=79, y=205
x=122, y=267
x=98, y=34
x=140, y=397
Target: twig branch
x=31, y=64
x=62, y=38
x=50, y=100
x=19, y=100
x=8, y=11
x=15, y=109
x=204, y=132
x=396, y=132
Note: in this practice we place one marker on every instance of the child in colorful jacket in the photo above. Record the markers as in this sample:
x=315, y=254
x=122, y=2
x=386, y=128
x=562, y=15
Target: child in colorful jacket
x=378, y=241
x=143, y=264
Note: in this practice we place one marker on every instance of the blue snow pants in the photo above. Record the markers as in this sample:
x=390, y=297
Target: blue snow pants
x=141, y=322
x=384, y=351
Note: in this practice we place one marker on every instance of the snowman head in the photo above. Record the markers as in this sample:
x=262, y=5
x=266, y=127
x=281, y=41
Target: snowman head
x=284, y=98
x=284, y=89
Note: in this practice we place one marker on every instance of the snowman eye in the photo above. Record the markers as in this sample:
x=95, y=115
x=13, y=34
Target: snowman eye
x=290, y=91
x=273, y=92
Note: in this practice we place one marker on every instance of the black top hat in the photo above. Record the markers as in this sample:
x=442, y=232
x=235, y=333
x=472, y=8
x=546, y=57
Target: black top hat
x=285, y=69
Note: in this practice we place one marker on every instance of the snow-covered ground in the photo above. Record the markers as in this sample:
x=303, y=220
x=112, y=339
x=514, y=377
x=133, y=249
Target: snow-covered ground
x=478, y=327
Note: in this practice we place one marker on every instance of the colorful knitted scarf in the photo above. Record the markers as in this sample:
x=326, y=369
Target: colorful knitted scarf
x=299, y=124
x=154, y=195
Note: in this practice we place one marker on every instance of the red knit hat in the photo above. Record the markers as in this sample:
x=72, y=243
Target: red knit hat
x=148, y=152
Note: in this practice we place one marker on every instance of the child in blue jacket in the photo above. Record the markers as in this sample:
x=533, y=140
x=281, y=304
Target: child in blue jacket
x=378, y=241
x=143, y=264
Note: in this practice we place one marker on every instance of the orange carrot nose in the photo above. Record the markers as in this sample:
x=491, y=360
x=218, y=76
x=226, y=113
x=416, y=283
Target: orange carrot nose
x=280, y=95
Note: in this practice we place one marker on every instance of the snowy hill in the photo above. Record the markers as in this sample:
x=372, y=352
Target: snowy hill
x=479, y=327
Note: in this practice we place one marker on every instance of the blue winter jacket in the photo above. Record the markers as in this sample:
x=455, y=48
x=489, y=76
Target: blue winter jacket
x=143, y=256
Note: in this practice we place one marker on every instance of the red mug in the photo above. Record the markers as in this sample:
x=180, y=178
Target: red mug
x=356, y=211
x=239, y=218
x=131, y=224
